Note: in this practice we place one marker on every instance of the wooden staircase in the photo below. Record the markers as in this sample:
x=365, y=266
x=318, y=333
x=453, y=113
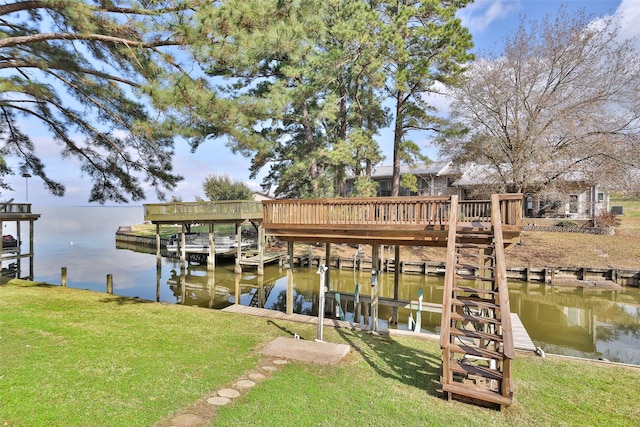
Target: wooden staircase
x=476, y=337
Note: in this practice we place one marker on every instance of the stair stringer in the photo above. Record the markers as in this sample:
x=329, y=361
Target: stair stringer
x=476, y=336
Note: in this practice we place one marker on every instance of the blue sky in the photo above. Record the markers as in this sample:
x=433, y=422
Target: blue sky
x=488, y=20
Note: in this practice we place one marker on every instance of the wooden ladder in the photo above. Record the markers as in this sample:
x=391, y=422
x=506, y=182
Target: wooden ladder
x=476, y=336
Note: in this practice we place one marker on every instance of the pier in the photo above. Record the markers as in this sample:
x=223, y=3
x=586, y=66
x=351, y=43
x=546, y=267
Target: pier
x=476, y=322
x=12, y=250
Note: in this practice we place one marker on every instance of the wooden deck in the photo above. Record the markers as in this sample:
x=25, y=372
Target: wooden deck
x=267, y=258
x=522, y=341
x=203, y=212
x=414, y=221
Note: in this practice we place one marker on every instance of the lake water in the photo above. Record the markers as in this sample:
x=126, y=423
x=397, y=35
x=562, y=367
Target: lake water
x=82, y=239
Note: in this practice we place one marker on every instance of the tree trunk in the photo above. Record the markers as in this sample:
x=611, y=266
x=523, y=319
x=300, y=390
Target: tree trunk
x=397, y=142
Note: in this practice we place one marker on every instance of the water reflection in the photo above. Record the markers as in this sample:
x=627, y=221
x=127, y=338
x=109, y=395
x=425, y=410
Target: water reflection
x=575, y=322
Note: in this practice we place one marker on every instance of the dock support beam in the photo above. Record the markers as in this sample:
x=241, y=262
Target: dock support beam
x=211, y=258
x=183, y=247
x=238, y=267
x=289, y=267
x=327, y=257
x=396, y=284
x=374, y=286
x=261, y=244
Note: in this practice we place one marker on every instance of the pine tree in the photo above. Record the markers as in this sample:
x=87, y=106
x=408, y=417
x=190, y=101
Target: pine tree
x=426, y=46
x=87, y=71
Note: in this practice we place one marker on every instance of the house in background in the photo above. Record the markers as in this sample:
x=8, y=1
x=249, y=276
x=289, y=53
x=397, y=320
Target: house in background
x=573, y=197
x=259, y=197
x=433, y=179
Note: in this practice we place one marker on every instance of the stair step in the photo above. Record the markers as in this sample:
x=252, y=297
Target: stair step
x=475, y=255
x=473, y=245
x=474, y=277
x=474, y=236
x=475, y=334
x=474, y=266
x=471, y=392
x=480, y=371
x=474, y=290
x=476, y=319
x=475, y=351
x=474, y=302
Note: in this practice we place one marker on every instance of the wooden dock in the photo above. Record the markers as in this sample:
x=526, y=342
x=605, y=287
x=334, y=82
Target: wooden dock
x=267, y=258
x=521, y=338
x=300, y=318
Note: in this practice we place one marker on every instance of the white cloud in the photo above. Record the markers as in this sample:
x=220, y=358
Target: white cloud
x=481, y=14
x=629, y=14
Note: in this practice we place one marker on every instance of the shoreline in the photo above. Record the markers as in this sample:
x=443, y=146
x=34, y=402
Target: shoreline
x=596, y=278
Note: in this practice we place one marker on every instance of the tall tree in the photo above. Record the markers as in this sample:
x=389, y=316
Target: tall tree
x=427, y=45
x=299, y=96
x=561, y=101
x=86, y=70
x=222, y=187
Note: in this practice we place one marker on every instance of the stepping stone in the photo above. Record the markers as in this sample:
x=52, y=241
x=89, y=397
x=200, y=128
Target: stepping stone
x=256, y=377
x=270, y=368
x=280, y=362
x=187, y=420
x=228, y=393
x=218, y=401
x=245, y=384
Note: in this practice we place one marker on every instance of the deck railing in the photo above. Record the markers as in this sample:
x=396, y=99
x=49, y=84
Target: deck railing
x=376, y=212
x=383, y=212
x=232, y=210
x=15, y=208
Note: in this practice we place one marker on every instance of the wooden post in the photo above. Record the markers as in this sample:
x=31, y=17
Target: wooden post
x=289, y=267
x=183, y=247
x=374, y=287
x=237, y=287
x=327, y=257
x=109, y=284
x=31, y=249
x=396, y=285
x=158, y=255
x=261, y=292
x=211, y=287
x=158, y=281
x=211, y=258
x=238, y=267
x=321, y=271
x=63, y=277
x=289, y=307
x=261, y=245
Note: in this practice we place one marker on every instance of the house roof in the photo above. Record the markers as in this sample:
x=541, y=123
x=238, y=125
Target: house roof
x=474, y=174
x=438, y=168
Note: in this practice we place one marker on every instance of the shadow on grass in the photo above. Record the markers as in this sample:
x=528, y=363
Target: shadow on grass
x=282, y=328
x=118, y=300
x=391, y=359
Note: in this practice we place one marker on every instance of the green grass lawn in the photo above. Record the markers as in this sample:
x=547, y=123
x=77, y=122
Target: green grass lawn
x=77, y=358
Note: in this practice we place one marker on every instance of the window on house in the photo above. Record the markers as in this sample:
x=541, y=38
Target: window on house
x=450, y=182
x=573, y=203
x=384, y=189
x=601, y=197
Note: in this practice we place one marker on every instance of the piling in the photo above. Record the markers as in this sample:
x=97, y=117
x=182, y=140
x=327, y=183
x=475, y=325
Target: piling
x=63, y=277
x=109, y=284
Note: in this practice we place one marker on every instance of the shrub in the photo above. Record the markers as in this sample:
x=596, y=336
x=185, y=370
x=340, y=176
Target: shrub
x=607, y=219
x=566, y=223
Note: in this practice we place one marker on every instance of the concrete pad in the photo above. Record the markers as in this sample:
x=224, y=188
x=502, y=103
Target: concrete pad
x=323, y=353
